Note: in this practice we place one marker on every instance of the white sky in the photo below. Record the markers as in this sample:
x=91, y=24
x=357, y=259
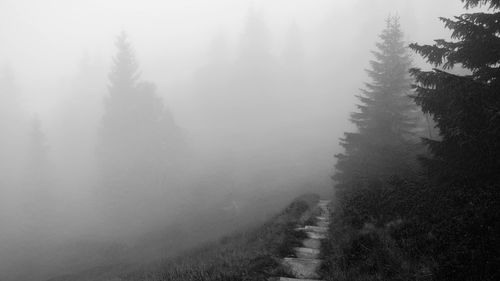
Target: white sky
x=44, y=40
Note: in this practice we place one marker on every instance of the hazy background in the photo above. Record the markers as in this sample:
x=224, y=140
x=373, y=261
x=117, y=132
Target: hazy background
x=261, y=90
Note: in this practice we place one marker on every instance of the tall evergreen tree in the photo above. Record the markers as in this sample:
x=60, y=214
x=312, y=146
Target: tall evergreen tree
x=293, y=63
x=12, y=128
x=140, y=143
x=79, y=119
x=37, y=166
x=37, y=184
x=293, y=54
x=385, y=124
x=465, y=107
x=465, y=162
x=253, y=79
x=255, y=40
x=211, y=83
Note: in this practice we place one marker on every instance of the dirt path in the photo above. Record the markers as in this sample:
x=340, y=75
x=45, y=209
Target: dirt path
x=306, y=264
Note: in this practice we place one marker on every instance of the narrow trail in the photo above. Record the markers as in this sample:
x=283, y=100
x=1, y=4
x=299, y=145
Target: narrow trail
x=307, y=263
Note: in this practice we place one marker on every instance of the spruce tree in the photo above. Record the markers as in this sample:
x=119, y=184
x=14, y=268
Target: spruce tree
x=294, y=76
x=380, y=148
x=465, y=107
x=12, y=128
x=293, y=56
x=253, y=81
x=37, y=166
x=140, y=144
x=465, y=162
x=37, y=179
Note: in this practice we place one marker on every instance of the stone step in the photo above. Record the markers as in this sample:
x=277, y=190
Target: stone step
x=307, y=253
x=316, y=231
x=315, y=235
x=302, y=268
x=323, y=204
x=315, y=228
x=312, y=243
x=290, y=279
x=305, y=267
x=323, y=224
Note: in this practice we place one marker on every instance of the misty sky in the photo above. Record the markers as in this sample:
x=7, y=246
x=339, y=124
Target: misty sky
x=44, y=40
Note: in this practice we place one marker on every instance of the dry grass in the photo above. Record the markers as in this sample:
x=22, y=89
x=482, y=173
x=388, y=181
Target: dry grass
x=250, y=255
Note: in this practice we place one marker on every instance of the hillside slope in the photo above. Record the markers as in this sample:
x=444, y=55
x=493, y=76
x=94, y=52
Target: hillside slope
x=246, y=255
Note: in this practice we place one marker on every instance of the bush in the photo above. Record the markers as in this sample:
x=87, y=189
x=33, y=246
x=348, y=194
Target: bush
x=380, y=232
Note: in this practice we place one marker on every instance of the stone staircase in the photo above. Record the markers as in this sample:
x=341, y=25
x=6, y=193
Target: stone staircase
x=307, y=263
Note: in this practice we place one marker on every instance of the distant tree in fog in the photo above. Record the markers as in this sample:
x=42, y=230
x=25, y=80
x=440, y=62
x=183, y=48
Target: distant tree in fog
x=293, y=72
x=37, y=182
x=140, y=143
x=254, y=75
x=79, y=116
x=293, y=56
x=37, y=170
x=211, y=82
x=386, y=119
x=255, y=39
x=12, y=127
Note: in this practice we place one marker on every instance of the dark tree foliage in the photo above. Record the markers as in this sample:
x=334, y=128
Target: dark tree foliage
x=385, y=120
x=465, y=163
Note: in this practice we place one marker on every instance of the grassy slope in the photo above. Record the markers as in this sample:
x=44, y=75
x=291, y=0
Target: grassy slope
x=252, y=255
x=371, y=252
x=249, y=255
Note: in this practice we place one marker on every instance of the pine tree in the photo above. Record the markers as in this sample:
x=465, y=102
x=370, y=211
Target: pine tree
x=37, y=178
x=293, y=52
x=255, y=39
x=253, y=81
x=385, y=124
x=79, y=120
x=140, y=144
x=465, y=162
x=465, y=107
x=37, y=166
x=211, y=83
x=12, y=128
x=293, y=62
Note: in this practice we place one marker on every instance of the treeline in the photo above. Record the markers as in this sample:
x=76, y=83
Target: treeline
x=138, y=148
x=24, y=157
x=423, y=208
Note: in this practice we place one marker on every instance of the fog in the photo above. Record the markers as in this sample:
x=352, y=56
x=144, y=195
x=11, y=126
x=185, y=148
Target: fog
x=238, y=107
